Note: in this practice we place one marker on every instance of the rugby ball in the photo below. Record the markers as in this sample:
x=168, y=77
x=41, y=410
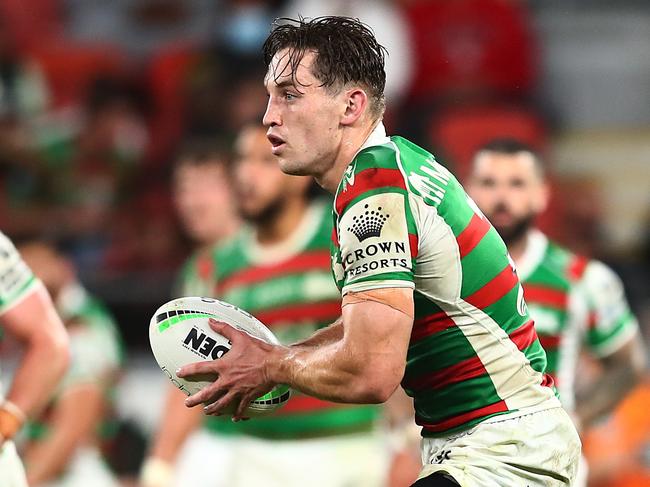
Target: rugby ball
x=180, y=334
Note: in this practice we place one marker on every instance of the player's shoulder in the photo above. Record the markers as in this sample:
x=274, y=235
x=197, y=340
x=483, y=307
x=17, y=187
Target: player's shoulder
x=563, y=262
x=8, y=251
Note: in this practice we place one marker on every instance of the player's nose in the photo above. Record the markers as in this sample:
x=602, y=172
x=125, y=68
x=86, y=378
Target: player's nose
x=271, y=115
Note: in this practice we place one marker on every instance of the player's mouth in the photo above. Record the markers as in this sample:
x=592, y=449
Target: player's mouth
x=277, y=143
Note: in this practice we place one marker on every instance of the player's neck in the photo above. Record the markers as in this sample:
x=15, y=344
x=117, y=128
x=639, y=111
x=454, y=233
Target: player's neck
x=353, y=139
x=227, y=228
x=277, y=229
x=517, y=248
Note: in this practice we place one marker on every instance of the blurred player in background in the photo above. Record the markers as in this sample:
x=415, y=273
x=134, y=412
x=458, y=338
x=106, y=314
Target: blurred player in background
x=577, y=304
x=204, y=202
x=27, y=315
x=63, y=443
x=277, y=268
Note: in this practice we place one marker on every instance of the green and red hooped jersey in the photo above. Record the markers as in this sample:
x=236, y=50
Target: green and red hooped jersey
x=16, y=279
x=403, y=220
x=576, y=304
x=289, y=288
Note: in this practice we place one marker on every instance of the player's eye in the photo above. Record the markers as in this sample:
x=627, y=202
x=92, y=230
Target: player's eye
x=289, y=96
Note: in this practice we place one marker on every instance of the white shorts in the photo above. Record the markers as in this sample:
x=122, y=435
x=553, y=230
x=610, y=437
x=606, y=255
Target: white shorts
x=528, y=450
x=87, y=468
x=210, y=460
x=12, y=473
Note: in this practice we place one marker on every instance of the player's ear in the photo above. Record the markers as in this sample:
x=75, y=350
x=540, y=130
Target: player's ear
x=356, y=104
x=543, y=197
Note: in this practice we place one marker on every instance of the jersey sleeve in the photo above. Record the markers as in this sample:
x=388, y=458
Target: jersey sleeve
x=375, y=239
x=610, y=321
x=16, y=278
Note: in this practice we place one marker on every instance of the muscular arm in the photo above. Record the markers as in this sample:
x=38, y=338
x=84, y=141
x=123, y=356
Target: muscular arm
x=34, y=322
x=364, y=366
x=622, y=371
x=324, y=336
x=75, y=416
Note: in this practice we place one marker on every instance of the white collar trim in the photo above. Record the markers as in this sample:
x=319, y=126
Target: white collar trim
x=536, y=244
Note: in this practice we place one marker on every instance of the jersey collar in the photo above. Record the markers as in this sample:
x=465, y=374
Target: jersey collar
x=377, y=137
x=536, y=244
x=295, y=243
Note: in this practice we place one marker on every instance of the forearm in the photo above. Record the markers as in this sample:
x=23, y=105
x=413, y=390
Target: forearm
x=177, y=423
x=324, y=336
x=38, y=374
x=76, y=416
x=36, y=325
x=603, y=396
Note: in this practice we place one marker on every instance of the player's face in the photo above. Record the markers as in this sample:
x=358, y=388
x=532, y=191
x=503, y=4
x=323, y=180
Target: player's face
x=260, y=185
x=302, y=118
x=509, y=190
x=202, y=199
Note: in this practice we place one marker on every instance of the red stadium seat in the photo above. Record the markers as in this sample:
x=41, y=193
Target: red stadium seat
x=459, y=132
x=70, y=68
x=465, y=47
x=31, y=22
x=167, y=77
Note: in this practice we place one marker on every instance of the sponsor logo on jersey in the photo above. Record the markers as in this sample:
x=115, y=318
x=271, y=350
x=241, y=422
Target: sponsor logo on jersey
x=374, y=236
x=203, y=345
x=369, y=223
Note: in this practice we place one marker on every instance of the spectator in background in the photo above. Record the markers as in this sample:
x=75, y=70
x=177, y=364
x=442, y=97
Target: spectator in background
x=26, y=314
x=63, y=443
x=577, y=304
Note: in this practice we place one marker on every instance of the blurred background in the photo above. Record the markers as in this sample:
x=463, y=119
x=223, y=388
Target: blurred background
x=97, y=97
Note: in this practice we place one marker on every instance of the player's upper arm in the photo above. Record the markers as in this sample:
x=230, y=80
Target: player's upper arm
x=611, y=324
x=26, y=310
x=376, y=235
x=377, y=329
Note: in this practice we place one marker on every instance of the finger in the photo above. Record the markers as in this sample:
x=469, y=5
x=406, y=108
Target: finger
x=207, y=394
x=240, y=410
x=197, y=368
x=224, y=329
x=220, y=404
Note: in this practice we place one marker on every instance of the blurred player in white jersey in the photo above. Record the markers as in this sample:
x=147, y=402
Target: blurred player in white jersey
x=63, y=442
x=27, y=314
x=578, y=304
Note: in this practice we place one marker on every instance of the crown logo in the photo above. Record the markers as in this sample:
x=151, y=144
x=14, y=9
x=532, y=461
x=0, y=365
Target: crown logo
x=368, y=224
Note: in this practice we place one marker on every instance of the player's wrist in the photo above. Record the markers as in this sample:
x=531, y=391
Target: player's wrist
x=275, y=365
x=12, y=419
x=156, y=472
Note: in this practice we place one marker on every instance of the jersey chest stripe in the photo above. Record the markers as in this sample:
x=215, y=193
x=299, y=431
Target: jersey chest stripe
x=413, y=244
x=494, y=290
x=464, y=370
x=524, y=336
x=473, y=233
x=498, y=407
x=545, y=296
x=577, y=267
x=328, y=310
x=430, y=325
x=301, y=404
x=319, y=259
x=368, y=179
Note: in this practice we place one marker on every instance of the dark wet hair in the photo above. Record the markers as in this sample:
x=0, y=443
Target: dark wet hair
x=346, y=52
x=510, y=147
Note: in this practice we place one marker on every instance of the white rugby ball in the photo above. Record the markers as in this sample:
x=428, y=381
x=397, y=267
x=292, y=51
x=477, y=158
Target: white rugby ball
x=180, y=334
